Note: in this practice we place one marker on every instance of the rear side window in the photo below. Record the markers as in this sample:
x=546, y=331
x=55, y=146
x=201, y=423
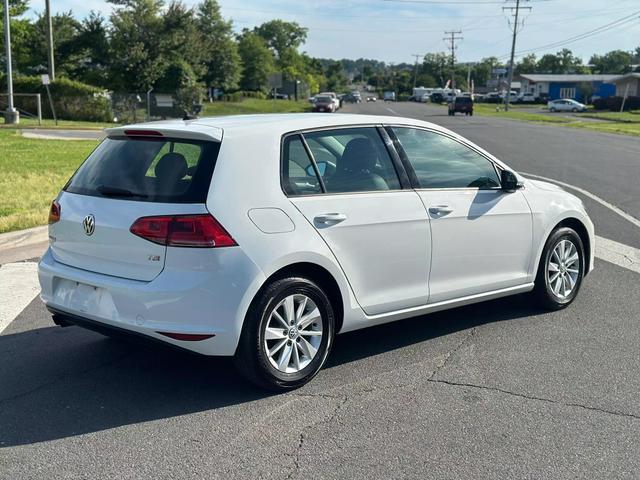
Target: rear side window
x=299, y=177
x=154, y=170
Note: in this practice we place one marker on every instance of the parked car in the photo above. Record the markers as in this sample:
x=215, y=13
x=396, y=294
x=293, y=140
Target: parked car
x=492, y=97
x=437, y=97
x=389, y=96
x=566, y=105
x=425, y=98
x=461, y=105
x=279, y=96
x=245, y=236
x=527, y=98
x=334, y=96
x=324, y=103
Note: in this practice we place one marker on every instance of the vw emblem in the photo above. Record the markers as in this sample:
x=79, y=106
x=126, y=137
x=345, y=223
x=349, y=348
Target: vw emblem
x=89, y=224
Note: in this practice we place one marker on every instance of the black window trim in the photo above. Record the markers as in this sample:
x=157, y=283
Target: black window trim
x=391, y=148
x=412, y=173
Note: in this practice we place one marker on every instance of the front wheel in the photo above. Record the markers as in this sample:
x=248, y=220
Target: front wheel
x=287, y=335
x=561, y=269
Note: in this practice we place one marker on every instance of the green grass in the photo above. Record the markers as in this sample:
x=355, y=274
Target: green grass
x=254, y=105
x=32, y=172
x=627, y=123
x=624, y=117
x=50, y=124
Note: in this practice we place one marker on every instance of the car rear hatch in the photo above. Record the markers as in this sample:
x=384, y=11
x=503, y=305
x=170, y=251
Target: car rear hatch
x=129, y=177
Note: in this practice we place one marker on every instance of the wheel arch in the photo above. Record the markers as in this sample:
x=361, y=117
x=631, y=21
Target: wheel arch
x=580, y=228
x=318, y=275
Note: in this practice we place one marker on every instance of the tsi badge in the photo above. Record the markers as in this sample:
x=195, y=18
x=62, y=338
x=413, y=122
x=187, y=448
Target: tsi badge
x=89, y=224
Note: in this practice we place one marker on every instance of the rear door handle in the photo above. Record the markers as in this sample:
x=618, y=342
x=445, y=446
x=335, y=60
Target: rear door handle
x=330, y=218
x=440, y=210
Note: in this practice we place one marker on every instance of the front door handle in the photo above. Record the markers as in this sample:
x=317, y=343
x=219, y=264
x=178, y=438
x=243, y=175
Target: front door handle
x=330, y=218
x=440, y=210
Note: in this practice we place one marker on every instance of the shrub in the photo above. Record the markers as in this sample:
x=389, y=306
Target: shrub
x=614, y=103
x=72, y=100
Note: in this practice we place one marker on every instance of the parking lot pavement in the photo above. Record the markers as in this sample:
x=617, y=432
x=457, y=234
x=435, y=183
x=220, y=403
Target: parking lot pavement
x=493, y=390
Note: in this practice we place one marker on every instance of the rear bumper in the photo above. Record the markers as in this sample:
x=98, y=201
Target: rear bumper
x=206, y=295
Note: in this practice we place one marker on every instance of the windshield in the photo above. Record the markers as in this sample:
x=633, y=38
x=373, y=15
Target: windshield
x=153, y=170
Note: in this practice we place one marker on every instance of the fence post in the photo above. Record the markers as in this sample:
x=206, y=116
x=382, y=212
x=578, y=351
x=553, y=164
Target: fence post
x=39, y=109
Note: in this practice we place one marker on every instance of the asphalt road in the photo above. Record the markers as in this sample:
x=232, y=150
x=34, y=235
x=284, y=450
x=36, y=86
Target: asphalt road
x=494, y=390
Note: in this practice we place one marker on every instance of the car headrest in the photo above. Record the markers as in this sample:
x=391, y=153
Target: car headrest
x=171, y=167
x=359, y=155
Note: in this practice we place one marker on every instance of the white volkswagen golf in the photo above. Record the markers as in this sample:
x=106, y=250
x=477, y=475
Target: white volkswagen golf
x=262, y=237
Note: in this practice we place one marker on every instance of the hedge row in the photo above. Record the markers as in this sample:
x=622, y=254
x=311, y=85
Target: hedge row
x=614, y=103
x=72, y=100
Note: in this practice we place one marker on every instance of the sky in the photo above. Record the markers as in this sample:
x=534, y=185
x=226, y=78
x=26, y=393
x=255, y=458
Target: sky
x=394, y=30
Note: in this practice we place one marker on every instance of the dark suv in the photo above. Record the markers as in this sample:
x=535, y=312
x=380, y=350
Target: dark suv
x=462, y=105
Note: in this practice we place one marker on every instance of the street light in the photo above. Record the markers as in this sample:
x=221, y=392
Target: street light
x=11, y=115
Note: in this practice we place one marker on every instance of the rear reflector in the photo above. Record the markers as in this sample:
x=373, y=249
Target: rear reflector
x=142, y=133
x=188, y=337
x=201, y=231
x=54, y=212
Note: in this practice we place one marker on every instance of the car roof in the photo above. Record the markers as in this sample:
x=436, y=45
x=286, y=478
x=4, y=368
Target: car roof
x=278, y=124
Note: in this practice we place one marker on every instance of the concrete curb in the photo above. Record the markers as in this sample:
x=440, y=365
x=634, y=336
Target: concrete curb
x=23, y=244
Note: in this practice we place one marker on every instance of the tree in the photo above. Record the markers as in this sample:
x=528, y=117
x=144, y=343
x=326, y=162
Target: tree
x=222, y=60
x=257, y=60
x=438, y=66
x=136, y=44
x=282, y=36
x=561, y=62
x=93, y=42
x=616, y=61
x=528, y=64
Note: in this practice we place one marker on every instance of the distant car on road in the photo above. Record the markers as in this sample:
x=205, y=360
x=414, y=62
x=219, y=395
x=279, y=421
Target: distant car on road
x=324, y=103
x=334, y=96
x=351, y=98
x=371, y=99
x=566, y=105
x=437, y=97
x=389, y=96
x=461, y=105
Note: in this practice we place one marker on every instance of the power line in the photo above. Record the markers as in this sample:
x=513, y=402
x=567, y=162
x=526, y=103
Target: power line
x=461, y=2
x=615, y=24
x=515, y=12
x=453, y=38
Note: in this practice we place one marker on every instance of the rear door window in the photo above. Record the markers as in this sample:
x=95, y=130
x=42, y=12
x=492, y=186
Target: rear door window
x=153, y=170
x=353, y=160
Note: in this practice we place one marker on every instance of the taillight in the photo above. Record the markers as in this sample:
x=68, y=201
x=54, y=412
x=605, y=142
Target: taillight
x=54, y=212
x=202, y=231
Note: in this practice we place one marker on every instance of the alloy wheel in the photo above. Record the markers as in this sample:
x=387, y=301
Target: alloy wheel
x=563, y=269
x=293, y=333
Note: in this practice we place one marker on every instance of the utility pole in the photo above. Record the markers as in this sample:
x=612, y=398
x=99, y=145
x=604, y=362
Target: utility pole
x=453, y=38
x=515, y=11
x=52, y=70
x=11, y=115
x=415, y=69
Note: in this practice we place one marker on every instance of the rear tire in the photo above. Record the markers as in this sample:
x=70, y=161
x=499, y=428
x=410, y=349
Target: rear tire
x=561, y=269
x=287, y=335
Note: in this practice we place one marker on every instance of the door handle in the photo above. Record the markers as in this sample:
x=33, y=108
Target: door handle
x=330, y=218
x=440, y=210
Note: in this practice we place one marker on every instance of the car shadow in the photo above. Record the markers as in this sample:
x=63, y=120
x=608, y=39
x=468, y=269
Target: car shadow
x=61, y=382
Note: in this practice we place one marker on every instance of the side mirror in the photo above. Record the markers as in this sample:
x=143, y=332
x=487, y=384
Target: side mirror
x=322, y=167
x=509, y=181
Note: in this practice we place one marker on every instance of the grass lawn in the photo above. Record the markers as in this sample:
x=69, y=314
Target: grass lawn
x=32, y=172
x=50, y=124
x=254, y=105
x=627, y=123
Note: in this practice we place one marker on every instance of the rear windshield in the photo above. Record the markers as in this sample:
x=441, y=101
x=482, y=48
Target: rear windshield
x=153, y=170
x=463, y=100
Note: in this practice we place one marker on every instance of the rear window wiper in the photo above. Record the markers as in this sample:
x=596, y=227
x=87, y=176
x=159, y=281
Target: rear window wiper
x=118, y=192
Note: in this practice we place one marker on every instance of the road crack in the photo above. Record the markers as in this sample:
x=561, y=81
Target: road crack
x=535, y=398
x=447, y=356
